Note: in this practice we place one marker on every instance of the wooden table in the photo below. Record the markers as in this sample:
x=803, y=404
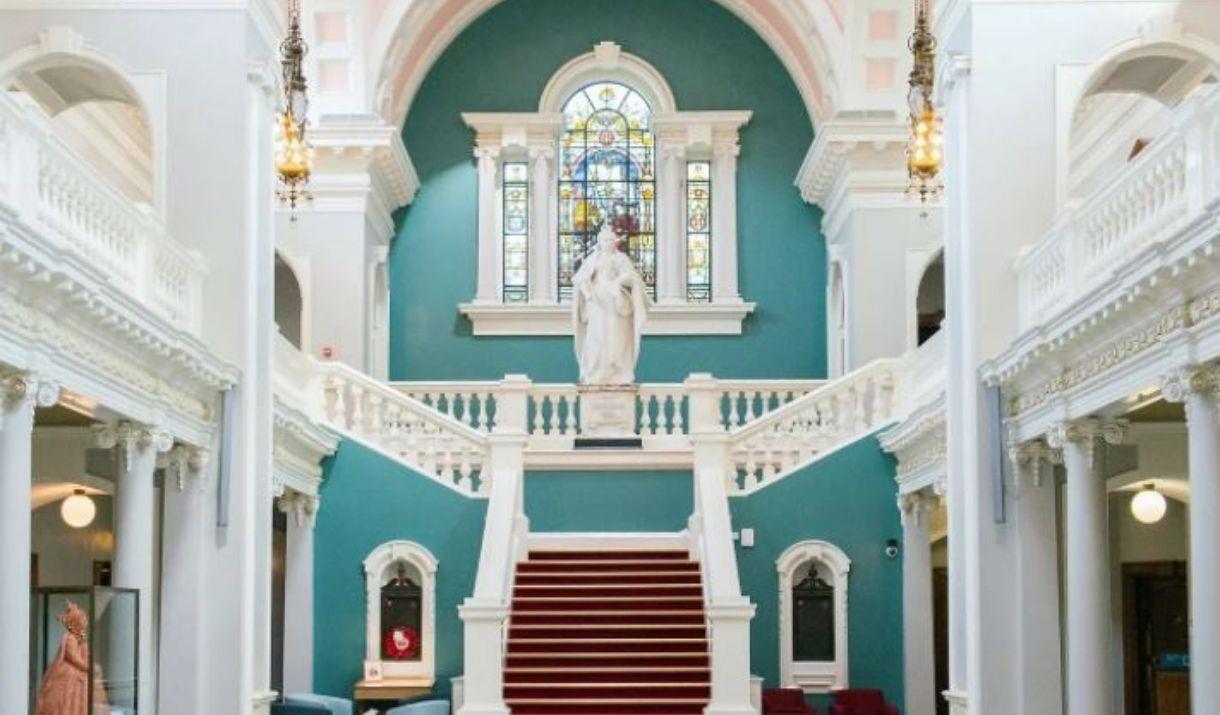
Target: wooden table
x=389, y=691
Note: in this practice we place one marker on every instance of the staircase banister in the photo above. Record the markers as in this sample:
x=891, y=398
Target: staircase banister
x=418, y=408
x=891, y=368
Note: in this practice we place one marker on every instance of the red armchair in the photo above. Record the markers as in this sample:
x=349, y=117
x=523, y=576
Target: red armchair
x=861, y=702
x=785, y=701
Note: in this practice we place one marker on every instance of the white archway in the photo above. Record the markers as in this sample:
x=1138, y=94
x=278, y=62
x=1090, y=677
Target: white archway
x=415, y=33
x=379, y=566
x=813, y=676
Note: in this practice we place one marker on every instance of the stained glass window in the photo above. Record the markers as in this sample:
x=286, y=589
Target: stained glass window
x=516, y=232
x=606, y=174
x=699, y=231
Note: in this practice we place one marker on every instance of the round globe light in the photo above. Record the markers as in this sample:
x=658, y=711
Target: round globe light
x=1148, y=505
x=78, y=510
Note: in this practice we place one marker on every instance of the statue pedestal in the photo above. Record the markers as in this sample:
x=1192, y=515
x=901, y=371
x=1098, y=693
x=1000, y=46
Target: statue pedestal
x=607, y=416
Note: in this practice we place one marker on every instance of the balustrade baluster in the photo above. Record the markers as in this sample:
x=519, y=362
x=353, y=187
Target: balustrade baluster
x=670, y=410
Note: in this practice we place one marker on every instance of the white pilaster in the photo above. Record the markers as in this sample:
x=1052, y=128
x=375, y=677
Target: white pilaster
x=19, y=394
x=1199, y=388
x=298, y=591
x=724, y=223
x=918, y=638
x=542, y=240
x=1040, y=676
x=671, y=241
x=135, y=533
x=1087, y=566
x=488, y=272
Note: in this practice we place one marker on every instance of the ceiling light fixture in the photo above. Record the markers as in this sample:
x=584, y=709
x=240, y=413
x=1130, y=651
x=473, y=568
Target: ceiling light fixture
x=925, y=147
x=78, y=510
x=293, y=153
x=1148, y=505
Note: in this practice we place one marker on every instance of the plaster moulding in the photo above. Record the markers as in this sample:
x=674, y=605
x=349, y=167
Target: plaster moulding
x=556, y=319
x=920, y=445
x=299, y=444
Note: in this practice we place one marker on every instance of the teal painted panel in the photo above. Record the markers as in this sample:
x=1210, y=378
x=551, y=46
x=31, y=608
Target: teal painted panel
x=368, y=500
x=848, y=499
x=712, y=61
x=609, y=501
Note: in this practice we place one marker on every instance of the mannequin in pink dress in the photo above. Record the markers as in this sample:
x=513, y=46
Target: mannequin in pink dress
x=65, y=685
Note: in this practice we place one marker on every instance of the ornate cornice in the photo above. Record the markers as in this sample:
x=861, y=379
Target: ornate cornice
x=843, y=143
x=299, y=444
x=920, y=445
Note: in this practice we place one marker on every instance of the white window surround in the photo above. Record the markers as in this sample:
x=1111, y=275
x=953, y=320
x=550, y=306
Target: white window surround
x=534, y=137
x=379, y=566
x=813, y=676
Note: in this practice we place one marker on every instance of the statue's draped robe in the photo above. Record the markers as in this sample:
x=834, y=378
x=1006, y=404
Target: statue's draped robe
x=611, y=305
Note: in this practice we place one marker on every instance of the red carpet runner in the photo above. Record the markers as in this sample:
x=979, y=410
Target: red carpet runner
x=607, y=633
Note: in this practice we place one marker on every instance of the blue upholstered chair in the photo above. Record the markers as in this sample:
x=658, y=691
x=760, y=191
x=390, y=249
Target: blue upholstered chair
x=425, y=707
x=330, y=705
x=294, y=709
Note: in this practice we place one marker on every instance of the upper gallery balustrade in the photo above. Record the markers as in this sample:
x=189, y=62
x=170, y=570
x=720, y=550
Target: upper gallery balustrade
x=68, y=207
x=1156, y=199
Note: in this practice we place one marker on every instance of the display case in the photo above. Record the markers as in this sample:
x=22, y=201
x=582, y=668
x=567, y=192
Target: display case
x=84, y=651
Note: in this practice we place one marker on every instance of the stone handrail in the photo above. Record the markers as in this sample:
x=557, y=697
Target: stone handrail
x=1157, y=194
x=72, y=207
x=428, y=440
x=787, y=438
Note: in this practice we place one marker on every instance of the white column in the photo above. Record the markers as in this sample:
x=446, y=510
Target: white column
x=724, y=224
x=1087, y=567
x=298, y=591
x=541, y=278
x=671, y=214
x=488, y=270
x=135, y=533
x=1199, y=388
x=19, y=394
x=1040, y=677
x=918, y=638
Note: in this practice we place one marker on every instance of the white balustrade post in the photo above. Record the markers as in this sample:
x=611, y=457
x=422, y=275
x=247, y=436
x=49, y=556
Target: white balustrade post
x=917, y=638
x=489, y=266
x=671, y=238
x=19, y=394
x=1087, y=567
x=1199, y=388
x=135, y=530
x=541, y=280
x=729, y=612
x=724, y=223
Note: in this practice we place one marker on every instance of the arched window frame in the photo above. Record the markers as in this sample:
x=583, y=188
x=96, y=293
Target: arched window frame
x=813, y=676
x=378, y=566
x=680, y=137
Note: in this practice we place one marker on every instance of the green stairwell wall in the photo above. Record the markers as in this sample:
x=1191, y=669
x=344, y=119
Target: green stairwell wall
x=501, y=63
x=608, y=501
x=848, y=499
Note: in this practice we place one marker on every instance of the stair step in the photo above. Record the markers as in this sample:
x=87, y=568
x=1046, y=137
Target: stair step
x=610, y=555
x=634, y=706
x=657, y=674
x=609, y=591
x=625, y=659
x=619, y=578
x=606, y=645
x=574, y=602
x=671, y=618
x=604, y=565
x=607, y=691
x=614, y=631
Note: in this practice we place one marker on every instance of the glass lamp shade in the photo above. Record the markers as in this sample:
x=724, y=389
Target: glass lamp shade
x=1148, y=505
x=78, y=510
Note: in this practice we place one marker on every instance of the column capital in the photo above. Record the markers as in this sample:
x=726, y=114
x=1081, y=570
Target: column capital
x=184, y=460
x=132, y=437
x=540, y=152
x=1060, y=434
x=915, y=507
x=303, y=508
x=728, y=149
x=24, y=386
x=1179, y=384
x=489, y=153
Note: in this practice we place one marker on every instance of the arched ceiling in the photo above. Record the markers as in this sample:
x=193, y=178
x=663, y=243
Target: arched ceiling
x=412, y=34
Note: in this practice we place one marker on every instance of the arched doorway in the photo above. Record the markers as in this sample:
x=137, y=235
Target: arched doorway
x=930, y=300
x=288, y=302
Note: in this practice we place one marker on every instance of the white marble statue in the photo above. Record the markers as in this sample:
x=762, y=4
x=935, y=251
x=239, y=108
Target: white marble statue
x=610, y=304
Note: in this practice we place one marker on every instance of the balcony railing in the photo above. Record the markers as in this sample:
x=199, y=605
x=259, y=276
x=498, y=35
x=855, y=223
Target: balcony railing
x=72, y=209
x=1169, y=186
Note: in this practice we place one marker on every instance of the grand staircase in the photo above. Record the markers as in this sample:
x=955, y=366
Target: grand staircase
x=607, y=632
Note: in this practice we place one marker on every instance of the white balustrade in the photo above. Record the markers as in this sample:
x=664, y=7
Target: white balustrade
x=471, y=403
x=424, y=437
x=790, y=436
x=744, y=401
x=1149, y=201
x=73, y=209
x=554, y=411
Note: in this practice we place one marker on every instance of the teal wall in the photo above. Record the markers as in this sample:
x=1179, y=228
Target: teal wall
x=609, y=501
x=712, y=61
x=368, y=500
x=848, y=499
